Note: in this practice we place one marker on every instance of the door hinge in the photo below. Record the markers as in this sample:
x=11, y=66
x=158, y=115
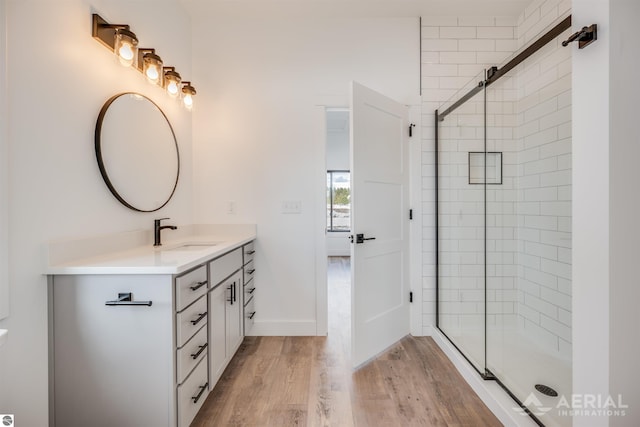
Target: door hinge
x=411, y=296
x=410, y=213
x=411, y=126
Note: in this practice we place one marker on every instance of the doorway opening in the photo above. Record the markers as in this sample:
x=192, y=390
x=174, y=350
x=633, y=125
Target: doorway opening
x=338, y=227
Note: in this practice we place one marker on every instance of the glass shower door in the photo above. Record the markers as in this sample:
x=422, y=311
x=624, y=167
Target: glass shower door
x=461, y=259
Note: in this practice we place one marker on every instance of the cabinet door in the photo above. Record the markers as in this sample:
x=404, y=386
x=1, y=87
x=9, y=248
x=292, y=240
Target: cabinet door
x=217, y=332
x=234, y=313
x=113, y=365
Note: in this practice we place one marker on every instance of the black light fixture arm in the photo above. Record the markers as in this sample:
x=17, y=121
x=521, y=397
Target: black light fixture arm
x=585, y=36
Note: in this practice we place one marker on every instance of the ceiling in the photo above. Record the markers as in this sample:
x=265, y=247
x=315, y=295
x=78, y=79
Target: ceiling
x=394, y=8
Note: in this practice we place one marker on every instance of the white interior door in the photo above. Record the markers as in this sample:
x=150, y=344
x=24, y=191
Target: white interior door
x=379, y=212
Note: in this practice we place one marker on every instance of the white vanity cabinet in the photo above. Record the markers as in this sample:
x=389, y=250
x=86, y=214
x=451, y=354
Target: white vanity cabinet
x=248, y=286
x=142, y=349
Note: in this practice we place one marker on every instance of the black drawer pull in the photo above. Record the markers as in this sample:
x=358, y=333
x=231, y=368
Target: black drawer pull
x=251, y=315
x=250, y=252
x=202, y=316
x=202, y=347
x=202, y=389
x=198, y=286
x=251, y=291
x=127, y=299
x=253, y=270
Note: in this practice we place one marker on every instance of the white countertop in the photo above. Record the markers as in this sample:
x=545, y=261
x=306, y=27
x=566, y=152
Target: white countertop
x=147, y=259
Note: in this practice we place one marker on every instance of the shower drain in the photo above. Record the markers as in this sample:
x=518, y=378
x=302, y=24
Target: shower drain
x=546, y=390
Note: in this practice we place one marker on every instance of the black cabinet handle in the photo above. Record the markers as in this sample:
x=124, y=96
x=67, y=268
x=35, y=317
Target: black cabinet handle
x=251, y=290
x=234, y=292
x=127, y=299
x=250, y=252
x=253, y=270
x=202, y=316
x=199, y=352
x=198, y=286
x=230, y=288
x=251, y=315
x=202, y=389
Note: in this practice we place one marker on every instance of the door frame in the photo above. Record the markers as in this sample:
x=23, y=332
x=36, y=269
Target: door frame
x=323, y=104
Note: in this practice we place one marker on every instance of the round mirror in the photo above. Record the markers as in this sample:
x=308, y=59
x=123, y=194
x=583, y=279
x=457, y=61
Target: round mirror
x=137, y=152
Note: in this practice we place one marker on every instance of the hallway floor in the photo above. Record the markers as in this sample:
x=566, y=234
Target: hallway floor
x=308, y=381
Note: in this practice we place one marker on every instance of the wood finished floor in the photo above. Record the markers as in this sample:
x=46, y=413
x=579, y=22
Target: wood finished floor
x=308, y=381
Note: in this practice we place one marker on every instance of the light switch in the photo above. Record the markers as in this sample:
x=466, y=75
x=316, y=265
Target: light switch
x=291, y=207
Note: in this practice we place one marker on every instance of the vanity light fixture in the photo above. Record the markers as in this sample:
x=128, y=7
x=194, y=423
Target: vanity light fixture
x=188, y=92
x=118, y=38
x=123, y=42
x=172, y=81
x=151, y=65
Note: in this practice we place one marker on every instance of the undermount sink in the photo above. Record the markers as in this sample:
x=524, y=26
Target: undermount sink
x=191, y=246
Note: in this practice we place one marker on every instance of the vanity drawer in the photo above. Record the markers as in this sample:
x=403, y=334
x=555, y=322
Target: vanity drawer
x=249, y=292
x=248, y=251
x=249, y=315
x=190, y=286
x=225, y=266
x=192, y=394
x=193, y=351
x=190, y=321
x=249, y=272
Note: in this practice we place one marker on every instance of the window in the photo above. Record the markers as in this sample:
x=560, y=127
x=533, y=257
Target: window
x=338, y=201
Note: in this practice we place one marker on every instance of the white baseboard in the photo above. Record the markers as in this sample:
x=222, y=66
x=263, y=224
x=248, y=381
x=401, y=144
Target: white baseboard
x=283, y=328
x=496, y=399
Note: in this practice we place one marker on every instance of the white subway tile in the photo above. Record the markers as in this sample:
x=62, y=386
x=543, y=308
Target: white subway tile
x=438, y=45
x=556, y=268
x=541, y=305
x=564, y=224
x=540, y=138
x=557, y=238
x=541, y=222
x=510, y=45
x=495, y=33
x=430, y=32
x=477, y=45
x=541, y=278
x=436, y=70
x=457, y=32
x=430, y=57
x=556, y=118
x=564, y=161
x=555, y=327
x=552, y=179
x=490, y=58
x=558, y=208
x=564, y=255
x=458, y=58
x=544, y=251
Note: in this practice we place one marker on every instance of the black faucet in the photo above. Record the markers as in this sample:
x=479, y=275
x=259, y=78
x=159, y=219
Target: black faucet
x=157, y=228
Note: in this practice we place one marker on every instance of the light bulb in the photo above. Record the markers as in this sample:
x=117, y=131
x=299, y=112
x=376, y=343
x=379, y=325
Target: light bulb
x=125, y=52
x=172, y=88
x=188, y=101
x=125, y=47
x=152, y=73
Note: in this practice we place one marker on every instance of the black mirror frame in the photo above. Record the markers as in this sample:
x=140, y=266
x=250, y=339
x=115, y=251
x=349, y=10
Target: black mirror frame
x=103, y=170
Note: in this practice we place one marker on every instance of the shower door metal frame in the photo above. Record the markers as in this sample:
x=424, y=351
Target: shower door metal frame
x=492, y=75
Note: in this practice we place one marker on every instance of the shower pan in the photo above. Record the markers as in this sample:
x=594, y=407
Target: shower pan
x=503, y=172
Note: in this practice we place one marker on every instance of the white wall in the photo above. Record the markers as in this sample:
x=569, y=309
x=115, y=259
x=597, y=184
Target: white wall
x=624, y=205
x=4, y=170
x=256, y=140
x=59, y=79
